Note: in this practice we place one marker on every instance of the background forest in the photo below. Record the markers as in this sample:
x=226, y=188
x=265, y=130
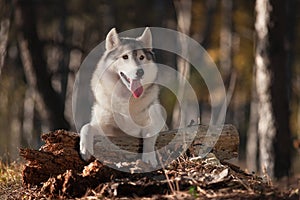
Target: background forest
x=42, y=44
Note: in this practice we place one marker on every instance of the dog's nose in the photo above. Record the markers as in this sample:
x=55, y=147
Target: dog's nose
x=139, y=73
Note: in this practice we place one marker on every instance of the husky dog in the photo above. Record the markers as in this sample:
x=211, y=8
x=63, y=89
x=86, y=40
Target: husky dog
x=126, y=97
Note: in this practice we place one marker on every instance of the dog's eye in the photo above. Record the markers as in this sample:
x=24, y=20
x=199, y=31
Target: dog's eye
x=125, y=57
x=142, y=57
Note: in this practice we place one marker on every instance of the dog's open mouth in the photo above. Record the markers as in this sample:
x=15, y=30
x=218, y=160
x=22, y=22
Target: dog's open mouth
x=134, y=85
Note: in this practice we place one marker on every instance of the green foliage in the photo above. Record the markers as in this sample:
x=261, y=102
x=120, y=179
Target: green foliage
x=193, y=191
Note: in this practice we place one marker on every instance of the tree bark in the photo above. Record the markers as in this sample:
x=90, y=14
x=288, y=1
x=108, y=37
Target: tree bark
x=225, y=148
x=281, y=87
x=272, y=88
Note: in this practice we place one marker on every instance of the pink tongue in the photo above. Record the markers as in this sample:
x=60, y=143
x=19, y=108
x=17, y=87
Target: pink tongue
x=136, y=88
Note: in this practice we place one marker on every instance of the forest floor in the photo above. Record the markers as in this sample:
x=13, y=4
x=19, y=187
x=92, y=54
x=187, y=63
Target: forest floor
x=183, y=179
x=56, y=171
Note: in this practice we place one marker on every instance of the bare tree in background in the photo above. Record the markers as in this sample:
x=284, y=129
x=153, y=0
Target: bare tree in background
x=183, y=11
x=226, y=38
x=5, y=10
x=272, y=88
x=226, y=48
x=252, y=136
x=210, y=9
x=49, y=103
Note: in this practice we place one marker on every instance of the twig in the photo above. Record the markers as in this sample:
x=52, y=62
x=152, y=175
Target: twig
x=164, y=170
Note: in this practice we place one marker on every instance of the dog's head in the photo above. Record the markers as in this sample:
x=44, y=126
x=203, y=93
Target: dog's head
x=133, y=60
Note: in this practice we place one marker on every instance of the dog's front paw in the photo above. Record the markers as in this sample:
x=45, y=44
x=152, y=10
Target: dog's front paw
x=150, y=158
x=85, y=154
x=86, y=142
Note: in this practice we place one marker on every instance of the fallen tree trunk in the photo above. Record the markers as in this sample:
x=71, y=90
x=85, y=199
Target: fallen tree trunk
x=223, y=143
x=61, y=150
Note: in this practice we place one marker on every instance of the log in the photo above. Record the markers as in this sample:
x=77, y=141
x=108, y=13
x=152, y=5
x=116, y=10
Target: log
x=195, y=138
x=61, y=150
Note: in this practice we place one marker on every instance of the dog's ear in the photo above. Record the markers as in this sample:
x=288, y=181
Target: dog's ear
x=112, y=39
x=146, y=38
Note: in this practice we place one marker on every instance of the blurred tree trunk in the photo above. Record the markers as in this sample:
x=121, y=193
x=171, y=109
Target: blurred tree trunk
x=50, y=104
x=252, y=137
x=183, y=11
x=226, y=52
x=272, y=88
x=205, y=39
x=226, y=38
x=5, y=10
x=281, y=59
x=64, y=62
x=209, y=23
